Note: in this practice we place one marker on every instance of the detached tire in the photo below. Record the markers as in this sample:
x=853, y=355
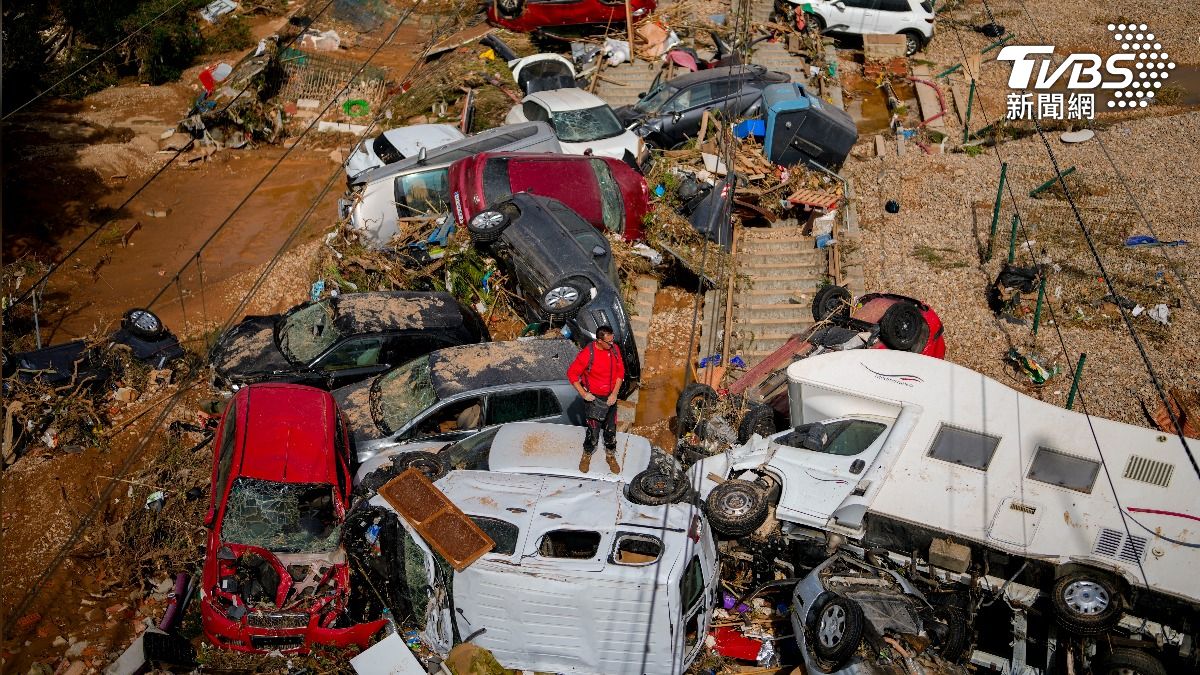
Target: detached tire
x=759, y=419
x=902, y=326
x=690, y=406
x=486, y=226
x=144, y=324
x=831, y=302
x=836, y=631
x=736, y=507
x=1128, y=662
x=1087, y=602
x=656, y=488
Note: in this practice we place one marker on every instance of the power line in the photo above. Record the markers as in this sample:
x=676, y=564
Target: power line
x=96, y=230
x=80, y=69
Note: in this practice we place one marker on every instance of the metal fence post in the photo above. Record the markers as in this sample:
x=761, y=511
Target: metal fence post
x=1012, y=239
x=970, y=105
x=1075, y=381
x=1037, y=311
x=996, y=208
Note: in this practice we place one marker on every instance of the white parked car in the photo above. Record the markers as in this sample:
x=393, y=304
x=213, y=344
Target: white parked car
x=394, y=145
x=911, y=18
x=583, y=123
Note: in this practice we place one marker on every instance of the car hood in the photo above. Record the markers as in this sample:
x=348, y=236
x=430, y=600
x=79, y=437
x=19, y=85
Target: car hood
x=628, y=114
x=248, y=350
x=355, y=403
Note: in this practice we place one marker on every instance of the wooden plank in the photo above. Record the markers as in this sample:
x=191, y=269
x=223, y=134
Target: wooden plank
x=960, y=102
x=880, y=146
x=927, y=97
x=446, y=529
x=462, y=37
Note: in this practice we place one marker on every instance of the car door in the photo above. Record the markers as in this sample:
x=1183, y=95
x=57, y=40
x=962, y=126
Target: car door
x=522, y=405
x=351, y=360
x=447, y=421
x=681, y=115
x=847, y=16
x=892, y=16
x=816, y=482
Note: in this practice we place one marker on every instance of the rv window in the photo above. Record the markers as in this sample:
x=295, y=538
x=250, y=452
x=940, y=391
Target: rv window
x=571, y=544
x=636, y=549
x=844, y=438
x=691, y=586
x=967, y=448
x=502, y=532
x=1056, y=468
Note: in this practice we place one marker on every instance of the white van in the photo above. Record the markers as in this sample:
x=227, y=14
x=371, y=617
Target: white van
x=902, y=452
x=581, y=580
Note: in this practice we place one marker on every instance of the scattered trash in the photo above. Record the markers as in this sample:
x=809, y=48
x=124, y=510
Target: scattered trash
x=1077, y=136
x=731, y=643
x=341, y=128
x=892, y=206
x=1160, y=313
x=1030, y=365
x=1185, y=406
x=616, y=51
x=156, y=500
x=1005, y=294
x=992, y=30
x=648, y=253
x=216, y=9
x=1147, y=241
x=321, y=41
x=211, y=76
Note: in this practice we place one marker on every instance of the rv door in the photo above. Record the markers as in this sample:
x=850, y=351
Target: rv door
x=819, y=471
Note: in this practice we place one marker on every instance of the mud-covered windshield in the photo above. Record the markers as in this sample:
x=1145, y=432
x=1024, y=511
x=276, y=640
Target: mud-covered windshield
x=589, y=124
x=307, y=333
x=401, y=395
x=655, y=99
x=281, y=517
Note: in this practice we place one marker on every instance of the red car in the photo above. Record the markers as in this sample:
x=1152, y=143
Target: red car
x=876, y=321
x=606, y=192
x=275, y=576
x=526, y=15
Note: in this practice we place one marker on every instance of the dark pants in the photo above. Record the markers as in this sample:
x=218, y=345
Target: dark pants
x=600, y=415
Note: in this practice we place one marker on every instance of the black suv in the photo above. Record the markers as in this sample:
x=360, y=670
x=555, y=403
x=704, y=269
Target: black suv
x=341, y=340
x=670, y=113
x=564, y=269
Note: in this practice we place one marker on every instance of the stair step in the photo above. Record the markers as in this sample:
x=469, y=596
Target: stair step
x=742, y=322
x=785, y=283
x=788, y=270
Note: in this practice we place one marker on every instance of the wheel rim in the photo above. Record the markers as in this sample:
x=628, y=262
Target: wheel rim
x=913, y=45
x=144, y=320
x=488, y=220
x=735, y=504
x=1086, y=598
x=833, y=626
x=657, y=485
x=561, y=297
x=425, y=465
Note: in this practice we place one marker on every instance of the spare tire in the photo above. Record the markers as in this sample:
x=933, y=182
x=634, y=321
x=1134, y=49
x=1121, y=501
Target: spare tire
x=831, y=302
x=510, y=9
x=759, y=419
x=1087, y=602
x=902, y=326
x=144, y=324
x=736, y=507
x=427, y=463
x=653, y=487
x=690, y=405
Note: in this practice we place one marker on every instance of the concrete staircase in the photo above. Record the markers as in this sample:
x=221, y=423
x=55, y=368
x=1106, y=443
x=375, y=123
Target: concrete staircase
x=640, y=310
x=774, y=55
x=779, y=271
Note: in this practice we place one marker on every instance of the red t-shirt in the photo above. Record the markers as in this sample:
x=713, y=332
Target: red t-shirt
x=607, y=368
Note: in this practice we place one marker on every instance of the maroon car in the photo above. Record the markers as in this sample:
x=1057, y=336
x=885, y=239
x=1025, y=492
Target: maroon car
x=526, y=15
x=605, y=192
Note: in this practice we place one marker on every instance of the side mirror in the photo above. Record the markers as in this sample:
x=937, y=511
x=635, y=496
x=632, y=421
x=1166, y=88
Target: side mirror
x=422, y=155
x=641, y=95
x=226, y=553
x=857, y=466
x=676, y=116
x=598, y=251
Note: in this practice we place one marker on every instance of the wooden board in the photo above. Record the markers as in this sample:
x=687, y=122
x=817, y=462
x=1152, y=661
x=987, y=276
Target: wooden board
x=927, y=97
x=442, y=525
x=462, y=37
x=825, y=200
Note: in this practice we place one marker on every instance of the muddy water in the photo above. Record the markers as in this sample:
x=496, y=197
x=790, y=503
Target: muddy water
x=663, y=364
x=868, y=102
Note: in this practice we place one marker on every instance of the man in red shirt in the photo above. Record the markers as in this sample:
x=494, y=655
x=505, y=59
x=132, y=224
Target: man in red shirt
x=597, y=373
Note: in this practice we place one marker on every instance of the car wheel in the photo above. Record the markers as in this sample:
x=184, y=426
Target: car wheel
x=912, y=42
x=427, y=463
x=901, y=327
x=144, y=324
x=486, y=226
x=831, y=302
x=653, y=487
x=814, y=21
x=759, y=419
x=1128, y=662
x=1086, y=602
x=563, y=298
x=957, y=642
x=510, y=8
x=692, y=405
x=836, y=631
x=736, y=507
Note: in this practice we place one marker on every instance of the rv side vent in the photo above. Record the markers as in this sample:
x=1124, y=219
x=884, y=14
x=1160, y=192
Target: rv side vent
x=1114, y=544
x=1149, y=471
x=1108, y=543
x=1133, y=550
x=1023, y=508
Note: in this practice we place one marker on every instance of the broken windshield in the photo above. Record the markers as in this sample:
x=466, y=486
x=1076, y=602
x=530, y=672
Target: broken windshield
x=401, y=395
x=307, y=333
x=654, y=100
x=281, y=517
x=588, y=124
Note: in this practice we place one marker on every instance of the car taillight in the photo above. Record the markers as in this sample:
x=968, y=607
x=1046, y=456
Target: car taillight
x=694, y=530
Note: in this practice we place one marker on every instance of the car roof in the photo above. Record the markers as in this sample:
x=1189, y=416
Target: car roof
x=396, y=310
x=456, y=370
x=566, y=99
x=491, y=139
x=553, y=450
x=736, y=72
x=288, y=434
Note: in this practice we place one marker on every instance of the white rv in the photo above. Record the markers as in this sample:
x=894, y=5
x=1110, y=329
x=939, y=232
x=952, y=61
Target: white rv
x=910, y=452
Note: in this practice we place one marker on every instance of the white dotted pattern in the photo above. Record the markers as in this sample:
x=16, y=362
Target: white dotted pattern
x=1151, y=63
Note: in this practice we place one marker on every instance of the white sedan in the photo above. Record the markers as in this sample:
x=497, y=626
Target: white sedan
x=583, y=123
x=394, y=145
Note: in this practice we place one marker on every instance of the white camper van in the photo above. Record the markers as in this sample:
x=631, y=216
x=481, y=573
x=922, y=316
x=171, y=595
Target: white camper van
x=902, y=452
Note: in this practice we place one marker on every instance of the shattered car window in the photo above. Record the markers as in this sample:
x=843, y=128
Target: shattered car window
x=613, y=208
x=385, y=151
x=588, y=124
x=471, y=453
x=308, y=332
x=281, y=517
x=401, y=395
x=844, y=438
x=424, y=193
x=655, y=99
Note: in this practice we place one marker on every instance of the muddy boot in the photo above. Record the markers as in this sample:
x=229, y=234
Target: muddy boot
x=610, y=456
x=585, y=462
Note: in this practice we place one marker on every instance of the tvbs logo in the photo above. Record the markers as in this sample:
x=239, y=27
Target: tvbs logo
x=1132, y=75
